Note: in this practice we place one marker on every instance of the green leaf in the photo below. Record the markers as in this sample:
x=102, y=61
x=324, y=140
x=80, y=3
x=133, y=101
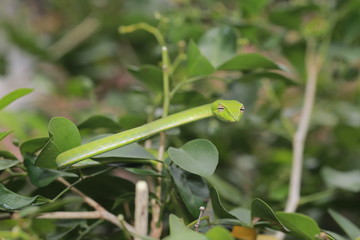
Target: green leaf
x=145, y=172
x=7, y=155
x=192, y=188
x=243, y=214
x=197, y=64
x=352, y=231
x=291, y=17
x=349, y=181
x=132, y=151
x=150, y=76
x=11, y=201
x=218, y=208
x=299, y=225
x=218, y=232
x=226, y=191
x=99, y=121
x=4, y=134
x=4, y=163
x=218, y=45
x=33, y=145
x=11, y=97
x=41, y=177
x=259, y=209
x=64, y=135
x=178, y=231
x=267, y=75
x=199, y=156
x=248, y=61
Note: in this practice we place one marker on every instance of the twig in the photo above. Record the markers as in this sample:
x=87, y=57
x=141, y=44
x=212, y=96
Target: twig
x=71, y=215
x=313, y=66
x=156, y=226
x=141, y=208
x=102, y=212
x=197, y=224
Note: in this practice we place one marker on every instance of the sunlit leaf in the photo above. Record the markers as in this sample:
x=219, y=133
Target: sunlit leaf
x=197, y=64
x=199, y=156
x=178, y=231
x=33, y=145
x=14, y=95
x=64, y=135
x=218, y=45
x=219, y=232
x=248, y=61
x=299, y=225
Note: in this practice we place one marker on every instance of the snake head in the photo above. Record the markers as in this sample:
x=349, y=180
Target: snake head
x=228, y=110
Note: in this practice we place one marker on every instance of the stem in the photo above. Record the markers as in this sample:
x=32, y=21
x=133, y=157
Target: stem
x=313, y=67
x=182, y=83
x=207, y=218
x=101, y=212
x=166, y=85
x=144, y=26
x=78, y=181
x=89, y=229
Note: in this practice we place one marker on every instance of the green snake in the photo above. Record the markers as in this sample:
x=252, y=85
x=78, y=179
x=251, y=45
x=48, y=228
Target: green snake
x=224, y=110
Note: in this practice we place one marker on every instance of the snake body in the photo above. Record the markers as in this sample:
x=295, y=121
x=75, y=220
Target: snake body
x=225, y=110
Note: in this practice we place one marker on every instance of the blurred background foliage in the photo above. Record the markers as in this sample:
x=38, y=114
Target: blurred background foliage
x=71, y=53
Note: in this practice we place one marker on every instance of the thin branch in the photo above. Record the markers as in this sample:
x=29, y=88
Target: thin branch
x=103, y=213
x=313, y=66
x=71, y=215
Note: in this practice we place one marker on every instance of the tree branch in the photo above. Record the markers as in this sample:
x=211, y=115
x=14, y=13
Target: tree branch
x=101, y=211
x=313, y=66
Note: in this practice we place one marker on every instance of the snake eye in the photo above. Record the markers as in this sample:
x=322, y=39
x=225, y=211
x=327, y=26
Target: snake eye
x=221, y=108
x=242, y=109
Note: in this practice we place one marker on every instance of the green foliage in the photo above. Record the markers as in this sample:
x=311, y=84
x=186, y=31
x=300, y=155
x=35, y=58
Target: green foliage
x=199, y=156
x=300, y=226
x=11, y=97
x=352, y=231
x=256, y=52
x=11, y=201
x=63, y=135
